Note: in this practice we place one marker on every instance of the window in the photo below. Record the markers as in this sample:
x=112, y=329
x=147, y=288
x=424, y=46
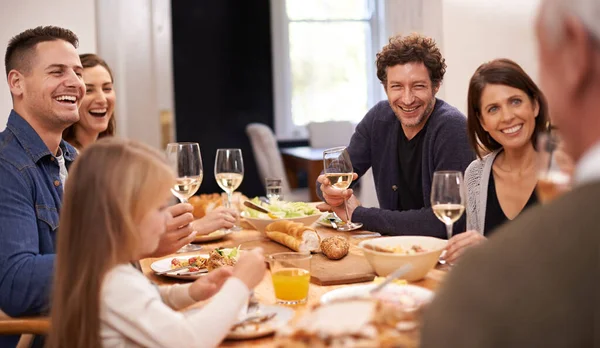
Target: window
x=324, y=54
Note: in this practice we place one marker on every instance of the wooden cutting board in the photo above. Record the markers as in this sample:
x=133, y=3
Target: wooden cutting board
x=354, y=268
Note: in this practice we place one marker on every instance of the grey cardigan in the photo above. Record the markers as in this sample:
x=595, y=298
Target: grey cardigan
x=477, y=178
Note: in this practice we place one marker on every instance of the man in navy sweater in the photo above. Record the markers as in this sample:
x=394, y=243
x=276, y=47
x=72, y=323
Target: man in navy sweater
x=405, y=140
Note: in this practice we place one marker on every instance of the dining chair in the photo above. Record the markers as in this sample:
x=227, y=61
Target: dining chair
x=330, y=133
x=269, y=162
x=25, y=327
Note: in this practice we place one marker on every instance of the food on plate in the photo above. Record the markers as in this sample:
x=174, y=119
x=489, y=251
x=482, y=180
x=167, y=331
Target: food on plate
x=325, y=220
x=217, y=258
x=205, y=203
x=335, y=247
x=194, y=264
x=398, y=249
x=280, y=210
x=222, y=257
x=294, y=235
x=354, y=323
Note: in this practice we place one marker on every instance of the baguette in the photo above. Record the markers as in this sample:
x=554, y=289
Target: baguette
x=294, y=235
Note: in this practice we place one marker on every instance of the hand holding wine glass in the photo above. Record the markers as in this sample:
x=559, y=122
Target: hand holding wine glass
x=339, y=171
x=448, y=199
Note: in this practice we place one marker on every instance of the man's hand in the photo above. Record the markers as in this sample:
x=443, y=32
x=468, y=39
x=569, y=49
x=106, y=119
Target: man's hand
x=340, y=210
x=179, y=230
x=458, y=244
x=333, y=195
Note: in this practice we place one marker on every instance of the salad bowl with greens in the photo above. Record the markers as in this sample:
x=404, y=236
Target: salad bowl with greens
x=301, y=212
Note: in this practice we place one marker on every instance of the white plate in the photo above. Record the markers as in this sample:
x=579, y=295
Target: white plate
x=391, y=291
x=284, y=315
x=165, y=265
x=212, y=236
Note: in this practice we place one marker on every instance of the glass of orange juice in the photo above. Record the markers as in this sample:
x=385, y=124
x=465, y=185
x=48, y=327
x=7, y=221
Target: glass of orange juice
x=291, y=277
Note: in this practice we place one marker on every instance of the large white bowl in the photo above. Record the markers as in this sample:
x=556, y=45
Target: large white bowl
x=385, y=263
x=261, y=224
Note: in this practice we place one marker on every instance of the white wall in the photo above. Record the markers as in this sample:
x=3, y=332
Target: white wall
x=138, y=50
x=476, y=31
x=19, y=15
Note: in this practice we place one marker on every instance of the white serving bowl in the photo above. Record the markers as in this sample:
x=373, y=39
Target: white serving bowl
x=261, y=224
x=385, y=263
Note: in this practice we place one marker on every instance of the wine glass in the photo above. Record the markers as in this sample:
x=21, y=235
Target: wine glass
x=186, y=161
x=555, y=167
x=448, y=199
x=338, y=170
x=229, y=172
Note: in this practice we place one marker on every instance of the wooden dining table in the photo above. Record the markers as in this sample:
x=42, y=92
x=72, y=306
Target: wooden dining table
x=264, y=291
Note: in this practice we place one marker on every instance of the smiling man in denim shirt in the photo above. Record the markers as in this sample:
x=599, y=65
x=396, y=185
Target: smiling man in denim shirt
x=44, y=75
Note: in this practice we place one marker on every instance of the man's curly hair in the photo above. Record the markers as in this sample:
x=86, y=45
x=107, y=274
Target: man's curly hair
x=412, y=48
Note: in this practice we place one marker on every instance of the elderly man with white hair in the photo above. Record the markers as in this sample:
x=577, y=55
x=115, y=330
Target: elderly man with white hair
x=537, y=284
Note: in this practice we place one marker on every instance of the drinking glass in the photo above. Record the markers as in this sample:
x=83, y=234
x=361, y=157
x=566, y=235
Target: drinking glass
x=554, y=167
x=229, y=172
x=186, y=161
x=338, y=170
x=273, y=187
x=290, y=273
x=448, y=197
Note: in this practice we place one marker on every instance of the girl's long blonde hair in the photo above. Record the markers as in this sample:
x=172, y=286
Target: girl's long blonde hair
x=111, y=186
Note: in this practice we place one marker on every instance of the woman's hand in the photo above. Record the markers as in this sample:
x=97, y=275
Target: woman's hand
x=217, y=219
x=458, y=244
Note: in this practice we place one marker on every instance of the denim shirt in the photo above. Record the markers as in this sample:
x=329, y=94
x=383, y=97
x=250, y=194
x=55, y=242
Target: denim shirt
x=30, y=200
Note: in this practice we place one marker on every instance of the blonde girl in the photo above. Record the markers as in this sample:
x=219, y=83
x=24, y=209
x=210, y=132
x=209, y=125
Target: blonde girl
x=114, y=212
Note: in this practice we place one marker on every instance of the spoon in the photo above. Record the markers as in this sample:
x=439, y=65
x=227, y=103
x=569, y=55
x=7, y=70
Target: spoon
x=391, y=277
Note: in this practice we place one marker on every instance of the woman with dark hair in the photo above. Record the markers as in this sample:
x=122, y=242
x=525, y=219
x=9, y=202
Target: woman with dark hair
x=506, y=112
x=97, y=110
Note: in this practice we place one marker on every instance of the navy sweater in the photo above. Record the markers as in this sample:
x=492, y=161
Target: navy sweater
x=375, y=143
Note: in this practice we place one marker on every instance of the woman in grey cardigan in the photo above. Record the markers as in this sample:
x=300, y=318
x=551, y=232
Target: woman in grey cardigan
x=506, y=112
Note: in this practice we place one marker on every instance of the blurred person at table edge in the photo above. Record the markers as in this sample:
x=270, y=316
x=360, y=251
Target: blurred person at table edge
x=535, y=282
x=404, y=139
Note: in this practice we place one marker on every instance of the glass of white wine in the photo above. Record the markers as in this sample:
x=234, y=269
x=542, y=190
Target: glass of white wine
x=448, y=197
x=229, y=172
x=186, y=161
x=338, y=170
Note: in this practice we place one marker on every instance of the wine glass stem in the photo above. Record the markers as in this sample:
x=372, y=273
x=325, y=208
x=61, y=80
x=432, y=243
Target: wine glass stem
x=183, y=200
x=346, y=208
x=229, y=199
x=449, y=230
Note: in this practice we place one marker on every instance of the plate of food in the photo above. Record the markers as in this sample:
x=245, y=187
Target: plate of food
x=407, y=296
x=301, y=212
x=218, y=234
x=192, y=267
x=278, y=316
x=353, y=323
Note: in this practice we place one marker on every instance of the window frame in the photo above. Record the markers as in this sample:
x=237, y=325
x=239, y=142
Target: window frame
x=285, y=129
